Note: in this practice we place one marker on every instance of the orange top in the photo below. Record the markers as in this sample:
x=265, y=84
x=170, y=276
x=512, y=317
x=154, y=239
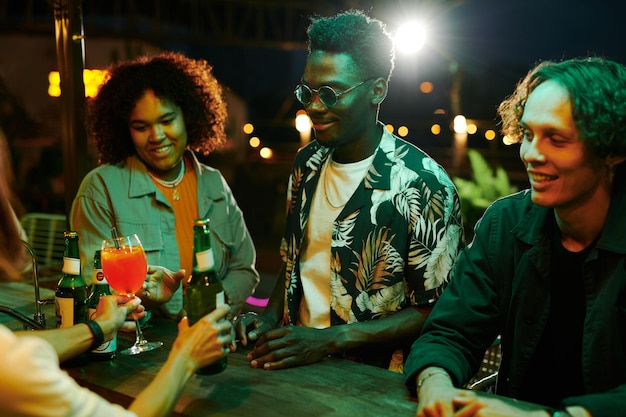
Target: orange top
x=185, y=207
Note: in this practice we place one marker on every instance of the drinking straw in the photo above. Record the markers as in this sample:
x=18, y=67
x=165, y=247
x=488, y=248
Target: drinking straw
x=115, y=237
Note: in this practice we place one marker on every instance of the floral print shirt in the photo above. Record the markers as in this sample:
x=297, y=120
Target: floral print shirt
x=393, y=243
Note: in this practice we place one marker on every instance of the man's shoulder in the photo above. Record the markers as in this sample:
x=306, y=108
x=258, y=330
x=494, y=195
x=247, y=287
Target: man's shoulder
x=307, y=150
x=408, y=156
x=520, y=200
x=407, y=153
x=512, y=207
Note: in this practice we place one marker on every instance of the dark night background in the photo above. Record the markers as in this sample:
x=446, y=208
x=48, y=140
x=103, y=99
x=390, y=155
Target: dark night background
x=258, y=51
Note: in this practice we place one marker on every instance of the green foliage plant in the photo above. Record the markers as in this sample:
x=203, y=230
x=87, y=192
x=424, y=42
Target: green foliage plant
x=485, y=186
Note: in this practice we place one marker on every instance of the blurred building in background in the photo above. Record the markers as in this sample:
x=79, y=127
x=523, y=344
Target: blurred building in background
x=258, y=50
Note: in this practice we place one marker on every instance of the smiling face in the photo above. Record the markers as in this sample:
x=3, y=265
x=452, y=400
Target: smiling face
x=349, y=125
x=562, y=173
x=158, y=131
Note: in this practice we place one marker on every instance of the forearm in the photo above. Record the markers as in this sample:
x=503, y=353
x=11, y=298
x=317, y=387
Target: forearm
x=401, y=327
x=241, y=277
x=276, y=304
x=160, y=396
x=67, y=342
x=71, y=341
x=239, y=284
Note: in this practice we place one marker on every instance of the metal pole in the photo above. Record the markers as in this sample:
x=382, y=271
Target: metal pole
x=70, y=60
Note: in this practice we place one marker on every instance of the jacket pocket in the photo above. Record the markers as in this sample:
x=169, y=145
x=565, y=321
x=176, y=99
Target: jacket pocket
x=221, y=242
x=149, y=235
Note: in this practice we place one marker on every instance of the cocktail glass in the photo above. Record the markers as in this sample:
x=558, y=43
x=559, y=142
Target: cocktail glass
x=125, y=266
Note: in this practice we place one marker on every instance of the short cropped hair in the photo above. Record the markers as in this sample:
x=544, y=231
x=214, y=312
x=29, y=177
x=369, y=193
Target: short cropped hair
x=354, y=33
x=188, y=83
x=597, y=90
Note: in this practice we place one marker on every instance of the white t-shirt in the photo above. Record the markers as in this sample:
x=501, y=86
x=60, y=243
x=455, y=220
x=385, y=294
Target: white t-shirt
x=33, y=384
x=336, y=185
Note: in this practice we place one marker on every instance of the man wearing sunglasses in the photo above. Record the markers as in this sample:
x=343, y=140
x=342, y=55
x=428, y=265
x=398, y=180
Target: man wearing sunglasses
x=373, y=224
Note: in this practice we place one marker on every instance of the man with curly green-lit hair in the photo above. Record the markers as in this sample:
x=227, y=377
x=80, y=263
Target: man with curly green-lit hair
x=546, y=269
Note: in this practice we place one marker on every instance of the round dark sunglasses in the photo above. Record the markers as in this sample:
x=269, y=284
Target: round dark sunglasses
x=327, y=95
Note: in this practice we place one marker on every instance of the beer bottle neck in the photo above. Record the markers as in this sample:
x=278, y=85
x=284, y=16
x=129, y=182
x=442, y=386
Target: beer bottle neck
x=203, y=259
x=71, y=258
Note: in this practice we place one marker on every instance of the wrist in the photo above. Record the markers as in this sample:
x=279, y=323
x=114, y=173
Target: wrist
x=431, y=373
x=335, y=337
x=96, y=332
x=274, y=318
x=108, y=327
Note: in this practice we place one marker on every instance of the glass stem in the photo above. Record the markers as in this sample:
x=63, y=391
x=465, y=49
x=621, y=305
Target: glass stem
x=139, y=340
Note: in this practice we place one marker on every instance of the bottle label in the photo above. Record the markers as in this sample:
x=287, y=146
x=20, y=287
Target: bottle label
x=99, y=278
x=220, y=299
x=65, y=312
x=106, y=347
x=205, y=260
x=71, y=266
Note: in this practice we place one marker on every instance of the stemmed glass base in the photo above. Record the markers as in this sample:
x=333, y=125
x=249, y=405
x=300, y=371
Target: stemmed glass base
x=141, y=344
x=139, y=347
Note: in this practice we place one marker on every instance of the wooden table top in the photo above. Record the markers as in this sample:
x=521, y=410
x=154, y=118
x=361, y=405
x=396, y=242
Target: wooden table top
x=332, y=387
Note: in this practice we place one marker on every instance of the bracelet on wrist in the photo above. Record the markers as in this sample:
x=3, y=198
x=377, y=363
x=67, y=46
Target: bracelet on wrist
x=434, y=372
x=96, y=331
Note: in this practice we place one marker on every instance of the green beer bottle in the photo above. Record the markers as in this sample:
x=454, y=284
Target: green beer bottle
x=71, y=291
x=204, y=290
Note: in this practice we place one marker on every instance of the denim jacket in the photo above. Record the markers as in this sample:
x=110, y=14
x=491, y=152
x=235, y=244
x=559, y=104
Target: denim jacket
x=500, y=285
x=123, y=195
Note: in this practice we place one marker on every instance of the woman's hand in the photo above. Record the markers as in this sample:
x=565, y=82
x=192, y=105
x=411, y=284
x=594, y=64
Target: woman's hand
x=113, y=311
x=204, y=342
x=436, y=395
x=161, y=284
x=471, y=404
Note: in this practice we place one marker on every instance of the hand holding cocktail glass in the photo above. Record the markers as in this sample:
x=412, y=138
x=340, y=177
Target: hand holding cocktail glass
x=125, y=265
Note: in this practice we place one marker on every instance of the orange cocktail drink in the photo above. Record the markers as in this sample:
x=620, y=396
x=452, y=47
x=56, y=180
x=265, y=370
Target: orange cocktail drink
x=125, y=268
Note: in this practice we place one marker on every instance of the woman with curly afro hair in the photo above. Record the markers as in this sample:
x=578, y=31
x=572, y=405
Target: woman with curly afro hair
x=149, y=118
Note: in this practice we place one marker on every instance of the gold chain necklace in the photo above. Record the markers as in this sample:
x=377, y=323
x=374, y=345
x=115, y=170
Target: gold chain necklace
x=324, y=186
x=172, y=183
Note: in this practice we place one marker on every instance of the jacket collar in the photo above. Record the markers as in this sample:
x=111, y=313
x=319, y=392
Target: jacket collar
x=531, y=228
x=140, y=183
x=379, y=172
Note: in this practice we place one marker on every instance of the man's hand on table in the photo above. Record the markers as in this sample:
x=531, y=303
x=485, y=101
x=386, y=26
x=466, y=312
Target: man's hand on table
x=289, y=346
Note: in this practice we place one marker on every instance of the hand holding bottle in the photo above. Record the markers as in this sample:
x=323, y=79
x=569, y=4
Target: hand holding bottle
x=205, y=342
x=204, y=292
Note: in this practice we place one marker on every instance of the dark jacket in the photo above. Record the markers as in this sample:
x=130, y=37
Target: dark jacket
x=500, y=285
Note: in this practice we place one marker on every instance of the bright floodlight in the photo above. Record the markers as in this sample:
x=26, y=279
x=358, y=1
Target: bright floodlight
x=303, y=123
x=460, y=124
x=410, y=37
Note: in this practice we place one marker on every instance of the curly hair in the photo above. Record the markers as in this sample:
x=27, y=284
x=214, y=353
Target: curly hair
x=352, y=32
x=597, y=90
x=188, y=83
